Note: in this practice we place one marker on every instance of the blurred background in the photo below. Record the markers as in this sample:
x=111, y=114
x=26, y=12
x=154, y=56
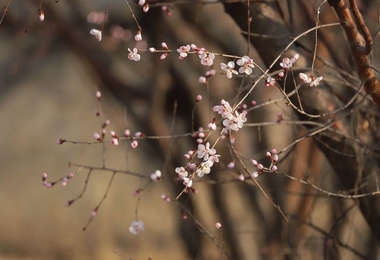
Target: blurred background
x=50, y=72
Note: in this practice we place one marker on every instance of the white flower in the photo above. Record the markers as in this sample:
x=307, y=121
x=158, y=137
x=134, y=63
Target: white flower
x=286, y=63
x=204, y=168
x=246, y=64
x=204, y=151
x=207, y=58
x=224, y=109
x=187, y=182
x=229, y=69
x=133, y=55
x=182, y=173
x=315, y=81
x=304, y=77
x=97, y=34
x=183, y=50
x=156, y=176
x=312, y=80
x=234, y=123
x=136, y=227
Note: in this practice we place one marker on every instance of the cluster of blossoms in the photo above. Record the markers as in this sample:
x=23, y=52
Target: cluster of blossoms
x=208, y=157
x=63, y=180
x=273, y=156
x=231, y=121
x=287, y=63
x=246, y=65
x=206, y=57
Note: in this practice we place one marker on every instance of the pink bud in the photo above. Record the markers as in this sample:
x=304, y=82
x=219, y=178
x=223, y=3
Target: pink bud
x=146, y=8
x=115, y=141
x=255, y=174
x=254, y=162
x=231, y=165
x=273, y=151
x=134, y=144
x=61, y=141
x=163, y=44
x=198, y=98
x=97, y=137
x=138, y=36
x=98, y=95
x=163, y=56
x=218, y=225
x=241, y=177
x=274, y=168
x=210, y=73
x=202, y=80
x=127, y=132
x=41, y=15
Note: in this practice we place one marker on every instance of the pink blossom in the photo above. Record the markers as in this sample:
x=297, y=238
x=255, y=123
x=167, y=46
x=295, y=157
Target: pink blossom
x=229, y=69
x=97, y=34
x=246, y=64
x=183, y=51
x=136, y=227
x=133, y=55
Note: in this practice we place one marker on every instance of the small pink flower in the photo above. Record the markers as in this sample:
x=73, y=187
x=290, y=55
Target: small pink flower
x=312, y=80
x=218, y=225
x=182, y=173
x=156, y=176
x=97, y=137
x=246, y=64
x=97, y=34
x=207, y=58
x=133, y=55
x=183, y=51
x=136, y=227
x=229, y=69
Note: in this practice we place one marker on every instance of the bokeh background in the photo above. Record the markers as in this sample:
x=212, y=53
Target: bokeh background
x=49, y=76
